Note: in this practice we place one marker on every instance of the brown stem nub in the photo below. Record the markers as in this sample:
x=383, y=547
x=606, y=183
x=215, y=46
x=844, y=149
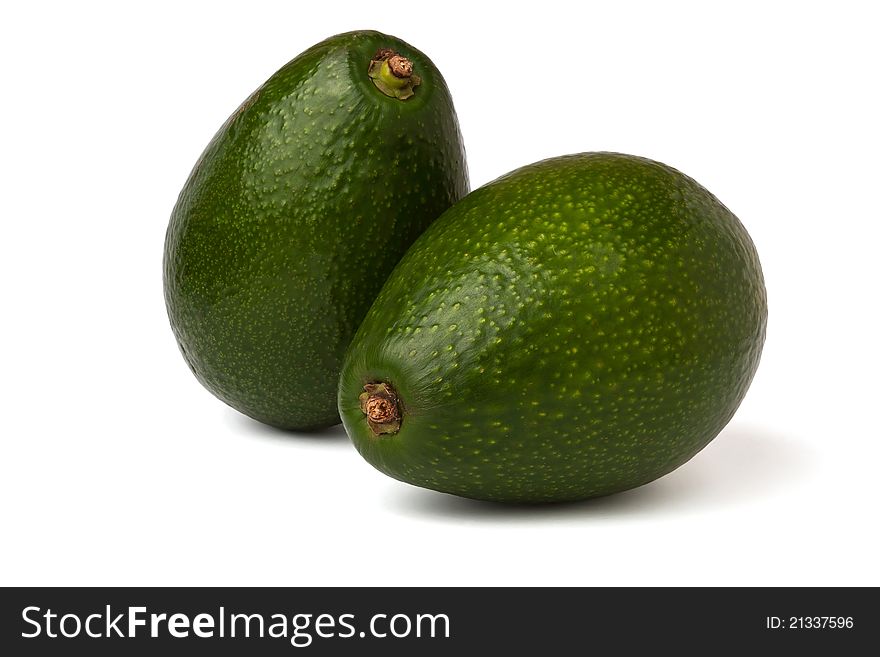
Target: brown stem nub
x=392, y=73
x=400, y=66
x=379, y=402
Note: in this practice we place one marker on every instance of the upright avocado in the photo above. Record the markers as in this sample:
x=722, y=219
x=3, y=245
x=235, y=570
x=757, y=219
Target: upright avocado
x=296, y=213
x=578, y=327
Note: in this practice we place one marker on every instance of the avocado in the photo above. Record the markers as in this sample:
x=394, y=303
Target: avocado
x=295, y=214
x=578, y=327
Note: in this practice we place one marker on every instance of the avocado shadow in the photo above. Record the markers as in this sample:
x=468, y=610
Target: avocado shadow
x=743, y=464
x=334, y=436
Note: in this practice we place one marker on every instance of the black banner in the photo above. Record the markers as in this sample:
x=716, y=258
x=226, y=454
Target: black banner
x=432, y=621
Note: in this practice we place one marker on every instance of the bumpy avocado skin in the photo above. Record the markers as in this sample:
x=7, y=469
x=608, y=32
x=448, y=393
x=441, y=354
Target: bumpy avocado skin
x=578, y=327
x=293, y=217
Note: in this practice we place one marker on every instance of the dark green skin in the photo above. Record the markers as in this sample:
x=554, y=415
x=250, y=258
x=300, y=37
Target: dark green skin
x=293, y=217
x=578, y=327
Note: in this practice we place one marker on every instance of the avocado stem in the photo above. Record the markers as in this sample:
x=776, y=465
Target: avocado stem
x=392, y=73
x=381, y=405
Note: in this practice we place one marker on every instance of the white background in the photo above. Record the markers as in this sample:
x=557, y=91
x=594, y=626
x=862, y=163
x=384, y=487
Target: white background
x=117, y=467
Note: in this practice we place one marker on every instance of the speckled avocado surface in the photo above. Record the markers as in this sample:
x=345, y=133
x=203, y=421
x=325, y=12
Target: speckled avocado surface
x=296, y=213
x=578, y=327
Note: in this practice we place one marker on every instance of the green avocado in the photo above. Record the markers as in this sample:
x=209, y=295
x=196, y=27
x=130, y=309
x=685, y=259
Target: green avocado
x=578, y=327
x=296, y=213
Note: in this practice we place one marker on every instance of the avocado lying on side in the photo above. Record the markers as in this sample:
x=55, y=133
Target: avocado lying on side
x=578, y=327
x=296, y=213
